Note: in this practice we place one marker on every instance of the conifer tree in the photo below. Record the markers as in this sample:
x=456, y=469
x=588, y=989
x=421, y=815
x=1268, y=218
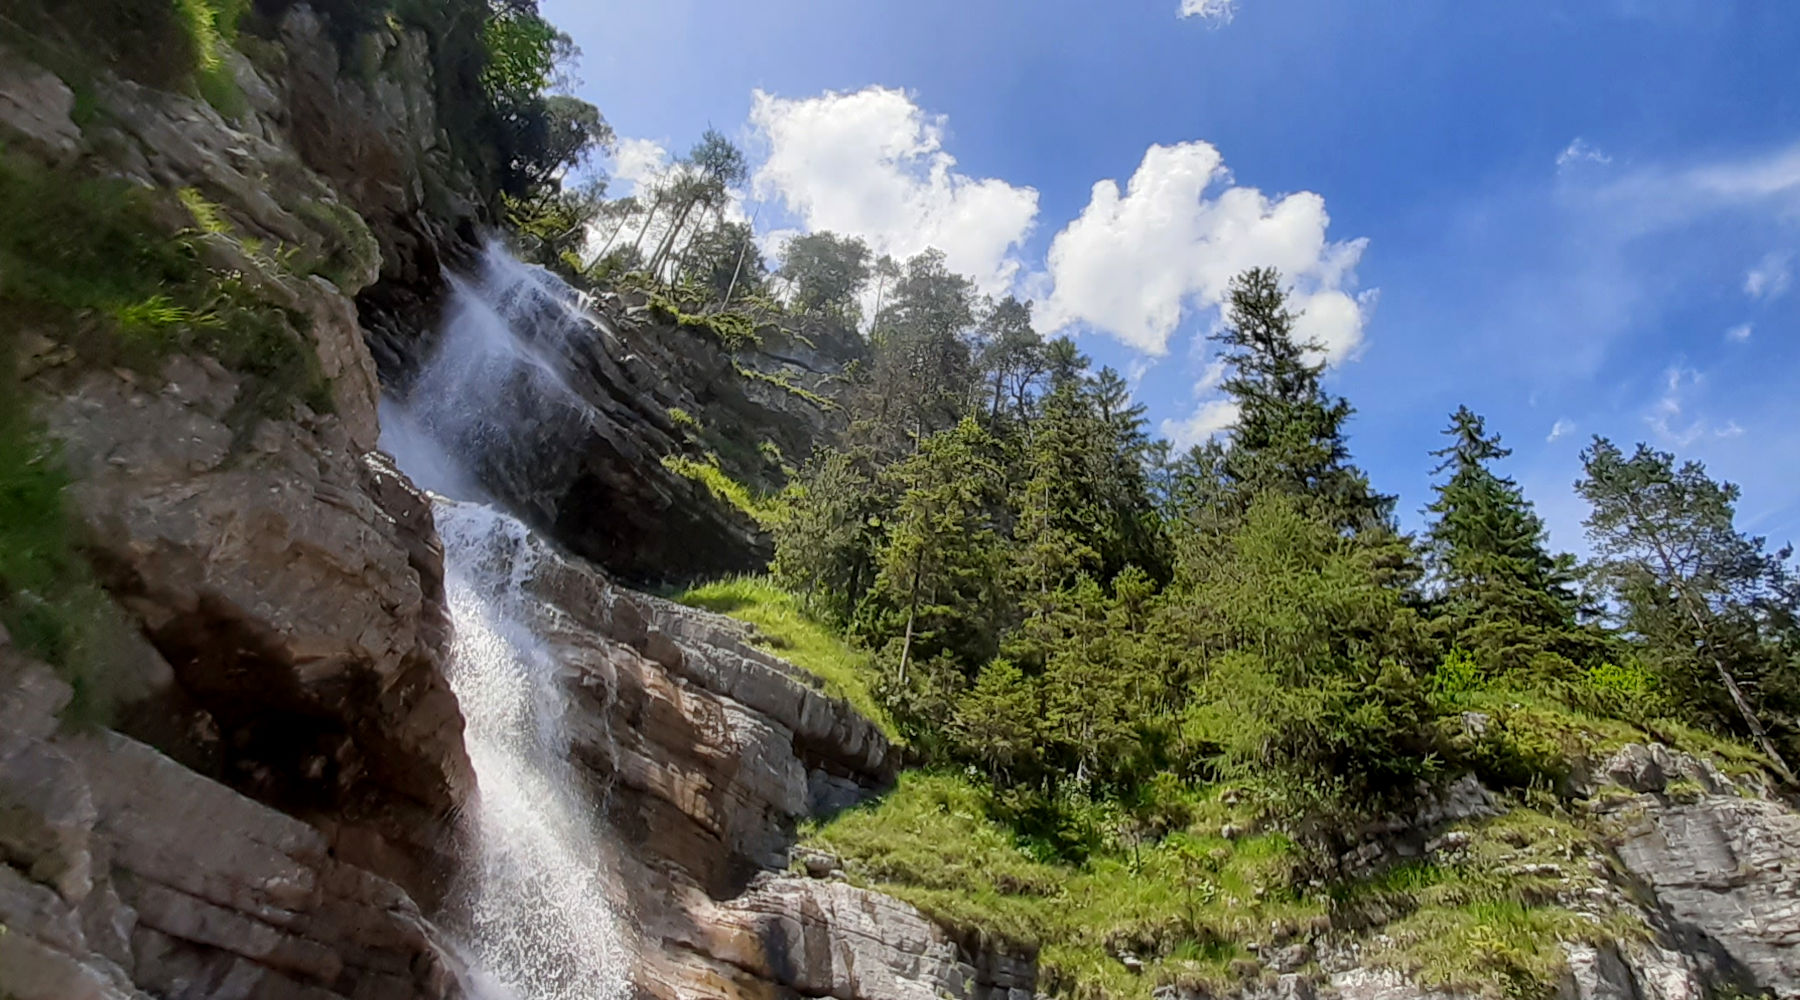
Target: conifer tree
x=1289, y=436
x=1704, y=597
x=1505, y=597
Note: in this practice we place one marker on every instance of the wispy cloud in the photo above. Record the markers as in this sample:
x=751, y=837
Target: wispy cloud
x=1561, y=429
x=1218, y=12
x=1739, y=333
x=1771, y=277
x=1581, y=151
x=1671, y=418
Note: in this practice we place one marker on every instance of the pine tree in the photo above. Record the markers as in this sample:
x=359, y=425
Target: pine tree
x=1289, y=436
x=1704, y=597
x=1505, y=597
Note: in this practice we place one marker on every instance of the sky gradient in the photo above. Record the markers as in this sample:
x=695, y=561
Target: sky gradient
x=1576, y=216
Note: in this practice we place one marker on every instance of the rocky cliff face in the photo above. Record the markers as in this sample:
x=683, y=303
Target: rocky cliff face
x=707, y=751
x=285, y=574
x=127, y=875
x=583, y=403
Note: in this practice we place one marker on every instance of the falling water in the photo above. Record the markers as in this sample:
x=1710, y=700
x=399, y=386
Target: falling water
x=532, y=900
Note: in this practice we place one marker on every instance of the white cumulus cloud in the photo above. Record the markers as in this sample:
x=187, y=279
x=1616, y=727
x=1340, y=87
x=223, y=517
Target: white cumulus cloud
x=1770, y=278
x=1137, y=261
x=1211, y=417
x=1561, y=429
x=1219, y=12
x=1739, y=333
x=873, y=164
x=638, y=162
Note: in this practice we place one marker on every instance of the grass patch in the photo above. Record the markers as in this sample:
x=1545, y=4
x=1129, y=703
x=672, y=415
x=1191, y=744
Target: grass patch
x=91, y=259
x=722, y=486
x=49, y=603
x=1187, y=906
x=785, y=629
x=1197, y=909
x=1489, y=919
x=1534, y=738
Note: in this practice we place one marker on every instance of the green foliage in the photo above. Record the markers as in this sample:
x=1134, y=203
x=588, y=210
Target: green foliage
x=89, y=256
x=722, y=486
x=1186, y=904
x=1490, y=920
x=1289, y=436
x=1305, y=678
x=1455, y=680
x=49, y=603
x=785, y=628
x=734, y=330
x=1715, y=610
x=1500, y=594
x=826, y=271
x=782, y=381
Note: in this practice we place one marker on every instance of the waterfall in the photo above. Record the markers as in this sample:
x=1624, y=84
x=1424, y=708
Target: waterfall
x=531, y=901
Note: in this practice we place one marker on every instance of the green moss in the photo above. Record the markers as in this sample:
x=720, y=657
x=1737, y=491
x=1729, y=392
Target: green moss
x=685, y=420
x=782, y=383
x=785, y=629
x=733, y=330
x=722, y=486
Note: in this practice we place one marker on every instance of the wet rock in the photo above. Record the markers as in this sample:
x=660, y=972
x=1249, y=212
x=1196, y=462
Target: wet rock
x=36, y=109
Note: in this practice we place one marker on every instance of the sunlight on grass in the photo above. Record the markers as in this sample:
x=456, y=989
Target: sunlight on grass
x=1187, y=906
x=789, y=632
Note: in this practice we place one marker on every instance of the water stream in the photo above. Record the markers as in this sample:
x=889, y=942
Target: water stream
x=530, y=904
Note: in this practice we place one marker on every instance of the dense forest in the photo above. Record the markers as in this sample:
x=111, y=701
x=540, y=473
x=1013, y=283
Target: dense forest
x=1149, y=695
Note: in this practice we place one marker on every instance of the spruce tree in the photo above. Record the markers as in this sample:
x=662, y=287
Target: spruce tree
x=1289, y=436
x=1505, y=598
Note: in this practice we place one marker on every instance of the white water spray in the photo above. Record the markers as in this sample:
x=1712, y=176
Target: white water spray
x=531, y=901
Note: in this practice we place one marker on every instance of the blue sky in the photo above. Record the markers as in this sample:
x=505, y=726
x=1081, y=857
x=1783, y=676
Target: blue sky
x=1577, y=216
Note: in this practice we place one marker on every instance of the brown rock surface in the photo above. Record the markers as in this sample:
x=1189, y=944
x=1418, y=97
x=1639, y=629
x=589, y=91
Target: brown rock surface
x=126, y=874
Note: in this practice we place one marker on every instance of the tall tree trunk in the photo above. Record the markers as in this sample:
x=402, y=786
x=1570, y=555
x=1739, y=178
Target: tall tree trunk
x=912, y=614
x=651, y=214
x=744, y=251
x=615, y=235
x=668, y=241
x=1737, y=696
x=1687, y=600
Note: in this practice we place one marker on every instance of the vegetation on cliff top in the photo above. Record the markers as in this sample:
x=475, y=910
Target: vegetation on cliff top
x=1091, y=644
x=784, y=628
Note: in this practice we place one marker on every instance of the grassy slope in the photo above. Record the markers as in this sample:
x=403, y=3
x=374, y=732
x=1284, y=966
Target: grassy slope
x=1197, y=908
x=1198, y=905
x=785, y=629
